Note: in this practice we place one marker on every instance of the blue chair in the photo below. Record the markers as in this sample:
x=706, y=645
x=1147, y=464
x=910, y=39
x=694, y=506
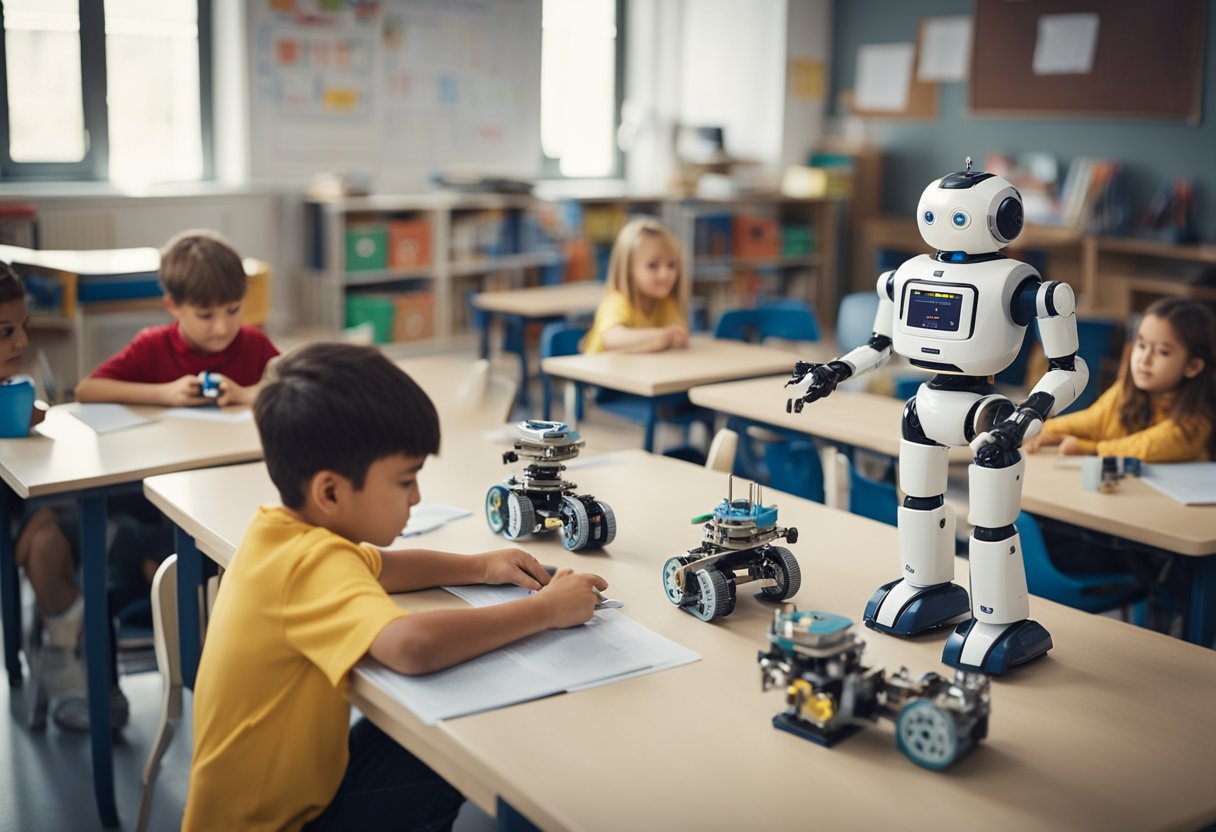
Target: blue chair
x=876, y=499
x=737, y=325
x=855, y=320
x=791, y=320
x=1095, y=342
x=1096, y=592
x=559, y=339
x=794, y=467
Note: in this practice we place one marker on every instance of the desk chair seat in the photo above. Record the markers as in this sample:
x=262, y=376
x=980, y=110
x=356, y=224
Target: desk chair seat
x=1092, y=592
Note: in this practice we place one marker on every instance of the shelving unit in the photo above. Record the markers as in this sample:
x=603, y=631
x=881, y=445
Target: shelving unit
x=472, y=242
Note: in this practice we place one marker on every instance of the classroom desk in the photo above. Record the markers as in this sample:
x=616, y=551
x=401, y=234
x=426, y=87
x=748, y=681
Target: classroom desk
x=1136, y=512
x=651, y=375
x=65, y=457
x=1112, y=730
x=519, y=307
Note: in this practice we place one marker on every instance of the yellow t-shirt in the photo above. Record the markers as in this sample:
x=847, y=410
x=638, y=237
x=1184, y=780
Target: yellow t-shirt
x=299, y=607
x=615, y=310
x=1100, y=431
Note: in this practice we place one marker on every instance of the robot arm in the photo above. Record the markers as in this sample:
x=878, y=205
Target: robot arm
x=1054, y=306
x=812, y=382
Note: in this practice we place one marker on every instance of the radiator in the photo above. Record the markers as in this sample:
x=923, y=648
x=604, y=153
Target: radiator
x=76, y=230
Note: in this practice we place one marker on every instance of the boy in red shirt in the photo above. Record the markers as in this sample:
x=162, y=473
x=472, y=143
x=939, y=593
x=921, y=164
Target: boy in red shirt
x=204, y=284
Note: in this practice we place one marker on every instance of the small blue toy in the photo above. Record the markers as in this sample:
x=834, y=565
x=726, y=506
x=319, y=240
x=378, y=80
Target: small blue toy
x=209, y=385
x=830, y=694
x=734, y=550
x=540, y=501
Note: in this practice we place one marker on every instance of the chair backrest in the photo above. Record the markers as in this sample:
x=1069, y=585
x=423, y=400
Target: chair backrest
x=737, y=325
x=1096, y=341
x=789, y=320
x=560, y=339
x=855, y=320
x=876, y=499
x=164, y=621
x=722, y=449
x=794, y=467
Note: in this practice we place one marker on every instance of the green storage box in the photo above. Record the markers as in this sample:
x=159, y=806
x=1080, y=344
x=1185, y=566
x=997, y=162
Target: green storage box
x=377, y=309
x=797, y=240
x=366, y=248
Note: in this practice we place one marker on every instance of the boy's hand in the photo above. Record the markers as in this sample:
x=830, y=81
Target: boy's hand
x=181, y=393
x=570, y=599
x=513, y=566
x=1071, y=446
x=233, y=393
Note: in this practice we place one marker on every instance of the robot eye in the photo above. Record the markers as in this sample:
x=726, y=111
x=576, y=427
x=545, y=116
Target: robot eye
x=930, y=217
x=960, y=219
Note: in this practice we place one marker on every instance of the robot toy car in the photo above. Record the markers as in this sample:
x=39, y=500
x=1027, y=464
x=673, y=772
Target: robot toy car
x=735, y=549
x=831, y=695
x=209, y=385
x=540, y=501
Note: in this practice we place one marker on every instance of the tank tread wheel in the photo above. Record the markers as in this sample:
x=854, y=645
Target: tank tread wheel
x=786, y=572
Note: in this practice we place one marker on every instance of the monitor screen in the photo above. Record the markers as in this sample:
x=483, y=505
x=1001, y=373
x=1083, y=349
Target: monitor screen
x=934, y=309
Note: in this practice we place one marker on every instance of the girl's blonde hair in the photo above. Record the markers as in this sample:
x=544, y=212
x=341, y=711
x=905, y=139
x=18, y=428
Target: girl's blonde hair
x=1195, y=407
x=627, y=243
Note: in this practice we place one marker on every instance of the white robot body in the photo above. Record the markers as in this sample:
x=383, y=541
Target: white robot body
x=926, y=546
x=998, y=581
x=923, y=468
x=955, y=317
x=995, y=494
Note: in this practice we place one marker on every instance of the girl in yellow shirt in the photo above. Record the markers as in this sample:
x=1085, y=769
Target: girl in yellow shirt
x=641, y=312
x=1163, y=408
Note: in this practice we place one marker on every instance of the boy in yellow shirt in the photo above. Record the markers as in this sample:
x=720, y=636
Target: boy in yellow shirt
x=345, y=434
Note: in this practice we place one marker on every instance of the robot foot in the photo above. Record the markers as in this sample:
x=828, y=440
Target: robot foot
x=994, y=648
x=901, y=609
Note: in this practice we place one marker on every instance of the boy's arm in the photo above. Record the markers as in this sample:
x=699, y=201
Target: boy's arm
x=431, y=641
x=405, y=570
x=184, y=391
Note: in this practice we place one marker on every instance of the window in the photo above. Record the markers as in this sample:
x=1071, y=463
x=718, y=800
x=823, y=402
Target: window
x=115, y=90
x=580, y=70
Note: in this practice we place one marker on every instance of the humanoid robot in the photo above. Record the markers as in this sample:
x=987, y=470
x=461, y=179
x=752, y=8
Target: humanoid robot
x=963, y=313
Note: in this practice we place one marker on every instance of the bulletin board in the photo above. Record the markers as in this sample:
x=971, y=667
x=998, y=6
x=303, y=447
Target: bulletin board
x=394, y=88
x=1147, y=63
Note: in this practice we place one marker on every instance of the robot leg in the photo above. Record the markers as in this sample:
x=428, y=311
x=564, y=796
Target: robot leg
x=1000, y=635
x=924, y=598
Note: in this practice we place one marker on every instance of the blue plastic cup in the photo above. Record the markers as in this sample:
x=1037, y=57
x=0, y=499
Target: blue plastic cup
x=16, y=406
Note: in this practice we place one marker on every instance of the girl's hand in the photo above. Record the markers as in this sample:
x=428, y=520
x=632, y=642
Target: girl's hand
x=1043, y=440
x=180, y=393
x=570, y=599
x=1071, y=446
x=677, y=337
x=513, y=566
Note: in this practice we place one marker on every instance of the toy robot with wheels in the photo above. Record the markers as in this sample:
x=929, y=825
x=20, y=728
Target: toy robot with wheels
x=830, y=694
x=540, y=501
x=735, y=549
x=962, y=313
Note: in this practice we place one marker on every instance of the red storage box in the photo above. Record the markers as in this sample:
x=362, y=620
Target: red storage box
x=409, y=244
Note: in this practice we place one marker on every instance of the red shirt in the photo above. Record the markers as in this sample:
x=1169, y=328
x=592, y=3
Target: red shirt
x=160, y=354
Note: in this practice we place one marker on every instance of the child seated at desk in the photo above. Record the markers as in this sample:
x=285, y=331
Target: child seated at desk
x=345, y=433
x=641, y=312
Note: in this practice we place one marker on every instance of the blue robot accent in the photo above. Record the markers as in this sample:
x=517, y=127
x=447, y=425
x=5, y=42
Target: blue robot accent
x=830, y=694
x=540, y=501
x=962, y=313
x=735, y=549
x=209, y=385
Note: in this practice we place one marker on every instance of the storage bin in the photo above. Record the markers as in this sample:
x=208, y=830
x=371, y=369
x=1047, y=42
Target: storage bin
x=415, y=316
x=376, y=309
x=409, y=244
x=366, y=247
x=756, y=236
x=257, y=292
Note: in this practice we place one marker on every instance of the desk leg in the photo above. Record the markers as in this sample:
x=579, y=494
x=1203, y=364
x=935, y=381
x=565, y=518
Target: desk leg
x=652, y=416
x=10, y=594
x=1201, y=626
x=189, y=579
x=483, y=346
x=97, y=650
x=510, y=820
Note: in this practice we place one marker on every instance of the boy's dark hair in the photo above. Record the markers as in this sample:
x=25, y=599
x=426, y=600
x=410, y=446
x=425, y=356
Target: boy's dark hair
x=199, y=268
x=12, y=287
x=1195, y=406
x=339, y=407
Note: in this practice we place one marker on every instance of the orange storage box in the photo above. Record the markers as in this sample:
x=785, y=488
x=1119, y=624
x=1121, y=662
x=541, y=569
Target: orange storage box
x=409, y=244
x=756, y=237
x=415, y=316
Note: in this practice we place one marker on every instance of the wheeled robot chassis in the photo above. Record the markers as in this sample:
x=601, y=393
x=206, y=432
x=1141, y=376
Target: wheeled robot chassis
x=540, y=501
x=736, y=549
x=830, y=694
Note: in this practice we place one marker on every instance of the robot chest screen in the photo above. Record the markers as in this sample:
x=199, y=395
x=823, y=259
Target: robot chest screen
x=934, y=309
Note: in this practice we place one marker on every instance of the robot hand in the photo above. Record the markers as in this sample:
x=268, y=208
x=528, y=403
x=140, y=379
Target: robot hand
x=814, y=382
x=992, y=448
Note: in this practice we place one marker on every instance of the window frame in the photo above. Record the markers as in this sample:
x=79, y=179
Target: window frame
x=551, y=167
x=95, y=166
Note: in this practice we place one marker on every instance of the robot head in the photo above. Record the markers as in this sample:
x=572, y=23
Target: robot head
x=968, y=211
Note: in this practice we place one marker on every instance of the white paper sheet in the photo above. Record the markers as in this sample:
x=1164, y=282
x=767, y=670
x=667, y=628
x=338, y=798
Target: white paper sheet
x=107, y=418
x=608, y=648
x=884, y=71
x=945, y=49
x=1065, y=44
x=1190, y=483
x=209, y=414
x=427, y=516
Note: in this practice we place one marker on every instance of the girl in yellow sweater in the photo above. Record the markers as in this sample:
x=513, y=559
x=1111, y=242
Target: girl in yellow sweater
x=1164, y=406
x=641, y=312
